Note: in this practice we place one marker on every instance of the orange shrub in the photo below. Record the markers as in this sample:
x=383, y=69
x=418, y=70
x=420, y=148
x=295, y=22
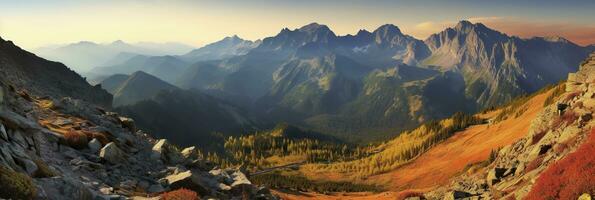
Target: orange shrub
x=409, y=193
x=570, y=177
x=180, y=194
x=76, y=139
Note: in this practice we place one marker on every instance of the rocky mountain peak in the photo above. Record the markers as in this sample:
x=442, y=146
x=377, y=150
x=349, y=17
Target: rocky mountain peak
x=233, y=39
x=465, y=27
x=363, y=32
x=314, y=27
x=390, y=29
x=387, y=33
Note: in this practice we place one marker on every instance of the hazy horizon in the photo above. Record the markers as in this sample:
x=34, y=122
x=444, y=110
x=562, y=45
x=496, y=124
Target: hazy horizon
x=203, y=22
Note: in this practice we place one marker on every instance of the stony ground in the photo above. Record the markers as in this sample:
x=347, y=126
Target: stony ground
x=75, y=150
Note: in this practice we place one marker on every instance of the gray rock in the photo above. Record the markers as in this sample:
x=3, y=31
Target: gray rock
x=6, y=156
x=155, y=188
x=3, y=133
x=29, y=166
x=112, y=153
x=163, y=150
x=64, y=188
x=94, y=145
x=15, y=121
x=222, y=176
x=17, y=137
x=128, y=123
x=190, y=153
x=190, y=181
x=128, y=184
x=240, y=178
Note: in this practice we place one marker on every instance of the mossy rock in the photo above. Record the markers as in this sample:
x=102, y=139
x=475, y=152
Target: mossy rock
x=14, y=185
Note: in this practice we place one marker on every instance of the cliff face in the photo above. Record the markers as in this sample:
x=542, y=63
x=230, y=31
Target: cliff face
x=46, y=78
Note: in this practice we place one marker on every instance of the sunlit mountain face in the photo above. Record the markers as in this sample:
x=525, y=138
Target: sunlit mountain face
x=297, y=100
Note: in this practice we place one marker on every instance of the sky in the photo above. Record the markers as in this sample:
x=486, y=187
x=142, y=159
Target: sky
x=35, y=23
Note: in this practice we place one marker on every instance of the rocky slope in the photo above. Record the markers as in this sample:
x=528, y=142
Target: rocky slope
x=46, y=78
x=562, y=131
x=66, y=148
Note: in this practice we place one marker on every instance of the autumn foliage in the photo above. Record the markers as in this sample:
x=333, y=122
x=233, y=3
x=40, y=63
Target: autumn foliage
x=569, y=177
x=76, y=139
x=180, y=194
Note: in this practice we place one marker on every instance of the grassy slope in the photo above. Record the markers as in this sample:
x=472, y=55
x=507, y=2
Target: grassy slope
x=446, y=160
x=449, y=158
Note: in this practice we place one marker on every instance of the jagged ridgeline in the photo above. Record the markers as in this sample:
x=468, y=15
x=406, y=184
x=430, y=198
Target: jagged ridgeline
x=368, y=86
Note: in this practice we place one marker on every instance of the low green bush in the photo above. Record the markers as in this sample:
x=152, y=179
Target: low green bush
x=14, y=185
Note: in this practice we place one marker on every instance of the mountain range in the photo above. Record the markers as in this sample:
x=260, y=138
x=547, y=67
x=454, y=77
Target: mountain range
x=83, y=56
x=370, y=83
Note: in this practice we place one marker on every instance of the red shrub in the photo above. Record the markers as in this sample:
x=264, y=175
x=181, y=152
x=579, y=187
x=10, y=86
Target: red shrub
x=76, y=139
x=409, y=193
x=569, y=117
x=558, y=149
x=180, y=194
x=570, y=177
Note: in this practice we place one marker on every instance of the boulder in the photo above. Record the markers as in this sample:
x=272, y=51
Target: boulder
x=222, y=176
x=163, y=150
x=155, y=188
x=112, y=153
x=241, y=186
x=239, y=178
x=128, y=123
x=190, y=153
x=94, y=145
x=190, y=181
